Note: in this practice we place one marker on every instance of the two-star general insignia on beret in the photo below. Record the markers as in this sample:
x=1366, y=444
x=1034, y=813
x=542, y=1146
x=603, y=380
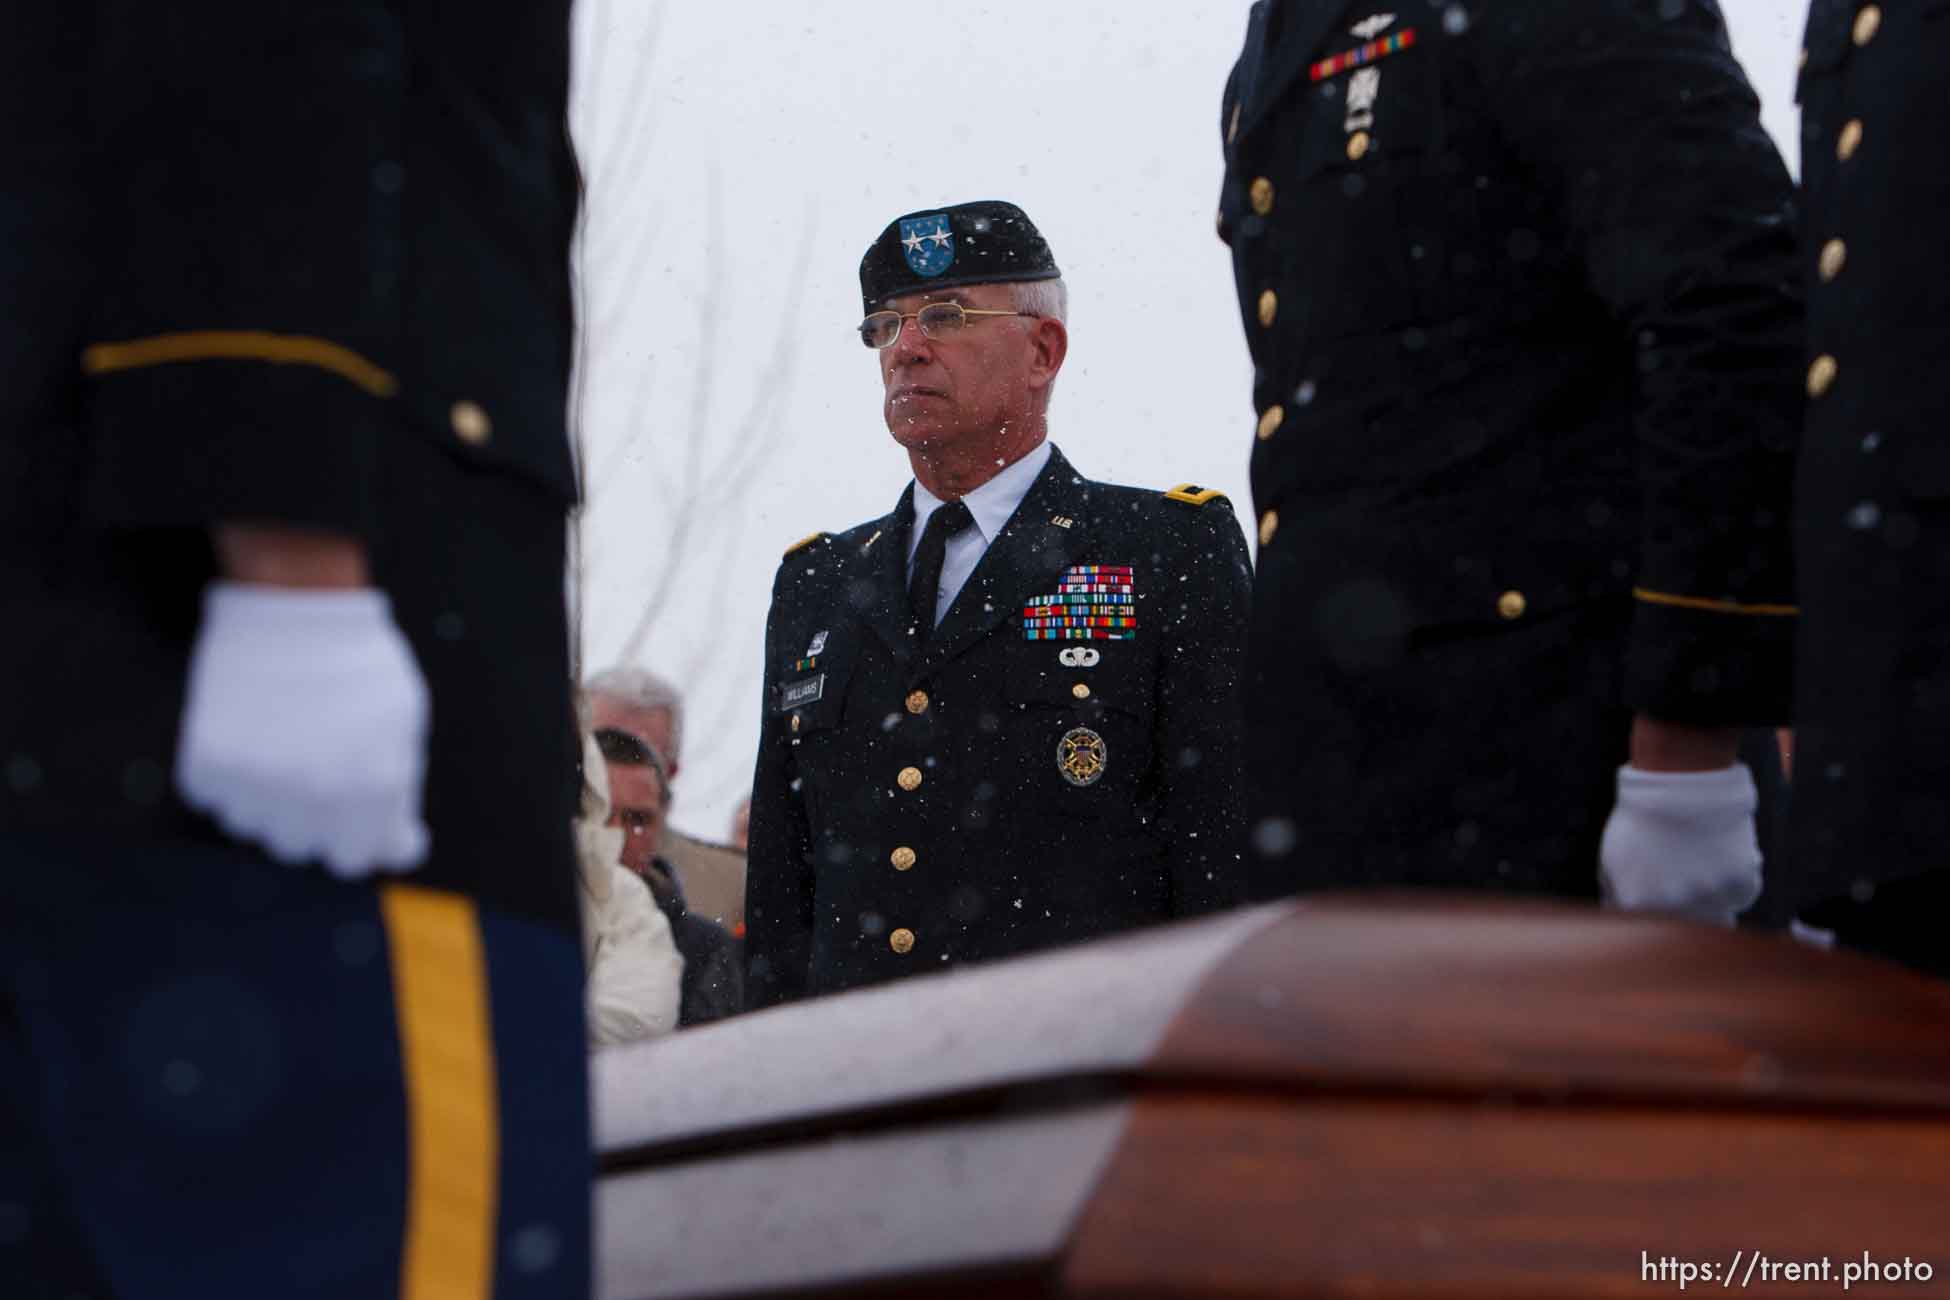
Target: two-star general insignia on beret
x=928, y=243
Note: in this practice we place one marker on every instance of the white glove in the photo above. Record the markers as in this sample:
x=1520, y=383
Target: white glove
x=1683, y=842
x=305, y=727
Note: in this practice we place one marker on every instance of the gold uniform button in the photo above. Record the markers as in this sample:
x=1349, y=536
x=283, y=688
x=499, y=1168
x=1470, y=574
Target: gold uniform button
x=1867, y=23
x=1511, y=604
x=1357, y=145
x=902, y=858
x=901, y=941
x=909, y=778
x=1269, y=523
x=1849, y=140
x=1081, y=691
x=917, y=703
x=1834, y=256
x=1269, y=307
x=1262, y=196
x=471, y=423
x=1821, y=375
x=1270, y=421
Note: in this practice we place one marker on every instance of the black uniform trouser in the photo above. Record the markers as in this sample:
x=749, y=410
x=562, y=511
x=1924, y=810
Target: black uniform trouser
x=223, y=1077
x=1905, y=921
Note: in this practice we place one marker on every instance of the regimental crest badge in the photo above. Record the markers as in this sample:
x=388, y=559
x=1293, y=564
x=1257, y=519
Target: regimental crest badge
x=928, y=243
x=1081, y=757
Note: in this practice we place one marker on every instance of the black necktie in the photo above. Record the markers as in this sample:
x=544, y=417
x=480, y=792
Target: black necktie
x=925, y=588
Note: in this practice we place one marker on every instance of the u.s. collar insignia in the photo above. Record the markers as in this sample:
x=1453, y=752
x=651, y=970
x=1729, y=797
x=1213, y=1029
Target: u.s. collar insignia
x=818, y=646
x=928, y=243
x=1081, y=757
x=1369, y=28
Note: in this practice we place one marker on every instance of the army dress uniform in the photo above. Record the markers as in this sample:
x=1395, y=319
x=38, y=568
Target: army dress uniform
x=1871, y=809
x=1517, y=279
x=308, y=266
x=1011, y=786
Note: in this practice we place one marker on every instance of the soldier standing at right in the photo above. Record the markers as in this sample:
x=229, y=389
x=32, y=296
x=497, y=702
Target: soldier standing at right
x=1519, y=282
x=1871, y=809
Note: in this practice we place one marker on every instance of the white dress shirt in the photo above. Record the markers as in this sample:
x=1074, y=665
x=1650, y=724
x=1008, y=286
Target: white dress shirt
x=991, y=505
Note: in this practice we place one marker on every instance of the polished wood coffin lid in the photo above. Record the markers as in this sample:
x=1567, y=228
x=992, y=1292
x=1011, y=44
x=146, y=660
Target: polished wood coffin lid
x=1015, y=1129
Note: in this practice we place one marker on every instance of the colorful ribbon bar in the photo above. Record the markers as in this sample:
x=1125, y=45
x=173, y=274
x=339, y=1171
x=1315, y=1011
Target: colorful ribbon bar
x=1077, y=611
x=1368, y=53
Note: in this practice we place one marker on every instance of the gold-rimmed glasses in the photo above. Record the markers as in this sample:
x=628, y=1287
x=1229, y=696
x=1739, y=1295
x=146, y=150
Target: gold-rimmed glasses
x=938, y=320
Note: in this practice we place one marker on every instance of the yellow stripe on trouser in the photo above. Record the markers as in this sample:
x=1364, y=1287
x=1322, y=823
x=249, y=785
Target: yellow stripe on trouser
x=440, y=986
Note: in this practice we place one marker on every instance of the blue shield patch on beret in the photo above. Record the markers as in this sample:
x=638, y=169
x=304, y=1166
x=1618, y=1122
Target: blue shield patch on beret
x=928, y=243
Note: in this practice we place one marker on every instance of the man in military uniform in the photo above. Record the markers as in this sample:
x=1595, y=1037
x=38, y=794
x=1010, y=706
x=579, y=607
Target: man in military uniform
x=1004, y=715
x=1871, y=808
x=1518, y=283
x=290, y=988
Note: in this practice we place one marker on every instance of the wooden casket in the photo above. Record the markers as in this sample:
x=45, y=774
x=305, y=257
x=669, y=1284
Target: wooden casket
x=1388, y=1096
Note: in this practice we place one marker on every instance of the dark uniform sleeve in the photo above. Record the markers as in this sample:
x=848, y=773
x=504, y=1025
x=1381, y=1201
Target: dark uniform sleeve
x=1201, y=709
x=242, y=356
x=778, y=868
x=1637, y=117
x=285, y=232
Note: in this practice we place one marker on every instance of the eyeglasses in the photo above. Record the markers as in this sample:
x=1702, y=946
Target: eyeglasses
x=938, y=320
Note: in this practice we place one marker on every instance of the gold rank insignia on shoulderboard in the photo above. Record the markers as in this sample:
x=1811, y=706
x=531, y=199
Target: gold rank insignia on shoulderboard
x=802, y=544
x=1193, y=495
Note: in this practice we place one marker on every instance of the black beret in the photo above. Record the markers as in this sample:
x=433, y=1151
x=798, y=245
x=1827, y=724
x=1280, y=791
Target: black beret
x=985, y=242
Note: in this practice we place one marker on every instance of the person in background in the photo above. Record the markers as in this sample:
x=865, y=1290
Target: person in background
x=635, y=973
x=291, y=996
x=1006, y=714
x=1870, y=811
x=652, y=709
x=713, y=985
x=1519, y=285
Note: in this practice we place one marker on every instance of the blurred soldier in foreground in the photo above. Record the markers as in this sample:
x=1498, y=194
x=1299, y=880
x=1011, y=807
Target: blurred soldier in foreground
x=290, y=988
x=1871, y=807
x=1006, y=714
x=651, y=709
x=1518, y=280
